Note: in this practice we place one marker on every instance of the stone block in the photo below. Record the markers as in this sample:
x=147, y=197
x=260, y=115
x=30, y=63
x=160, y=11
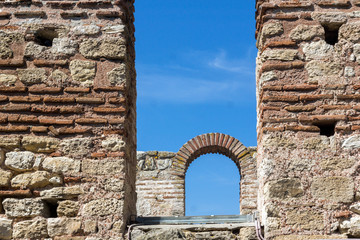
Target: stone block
x=103, y=207
x=58, y=77
x=83, y=72
x=284, y=188
x=33, y=229
x=10, y=142
x=5, y=228
x=332, y=20
x=114, y=185
x=247, y=233
x=40, y=144
x=118, y=76
x=317, y=68
x=352, y=142
x=32, y=76
x=59, y=193
x=355, y=208
x=350, y=32
x=102, y=167
x=61, y=165
x=111, y=48
x=268, y=76
x=309, y=237
x=7, y=79
x=282, y=55
x=305, y=219
x=317, y=50
x=28, y=207
x=34, y=50
x=337, y=189
x=351, y=227
x=5, y=177
x=37, y=179
x=272, y=29
x=337, y=163
x=90, y=29
x=63, y=226
x=78, y=146
x=68, y=208
x=5, y=51
x=20, y=161
x=90, y=226
x=306, y=32
x=64, y=46
x=113, y=144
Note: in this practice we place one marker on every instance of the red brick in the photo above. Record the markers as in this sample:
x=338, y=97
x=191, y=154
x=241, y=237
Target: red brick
x=294, y=4
x=77, y=130
x=77, y=90
x=282, y=43
x=116, y=154
x=61, y=99
x=39, y=89
x=25, y=99
x=116, y=120
x=306, y=108
x=348, y=97
x=282, y=66
x=90, y=100
x=272, y=88
x=3, y=98
x=117, y=88
x=314, y=97
x=73, y=14
x=281, y=98
x=55, y=121
x=39, y=129
x=60, y=4
x=15, y=108
x=270, y=108
x=335, y=87
x=280, y=16
x=23, y=119
x=98, y=155
x=12, y=89
x=273, y=129
x=342, y=128
x=279, y=120
x=356, y=87
x=91, y=121
x=109, y=110
x=14, y=128
x=116, y=100
x=15, y=193
x=300, y=87
x=109, y=14
x=5, y=14
x=356, y=107
x=45, y=109
x=298, y=128
x=93, y=4
x=53, y=130
x=336, y=107
x=71, y=110
x=352, y=118
x=342, y=214
x=29, y=14
x=72, y=179
x=334, y=3
x=12, y=62
x=45, y=63
x=355, y=127
x=330, y=118
x=114, y=131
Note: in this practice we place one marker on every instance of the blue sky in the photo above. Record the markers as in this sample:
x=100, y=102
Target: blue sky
x=195, y=62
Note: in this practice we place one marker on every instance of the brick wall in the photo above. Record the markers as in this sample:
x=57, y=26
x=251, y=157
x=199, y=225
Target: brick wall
x=67, y=118
x=308, y=117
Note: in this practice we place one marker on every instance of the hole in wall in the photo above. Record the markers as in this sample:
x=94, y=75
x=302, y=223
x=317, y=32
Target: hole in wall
x=45, y=37
x=326, y=128
x=331, y=34
x=52, y=208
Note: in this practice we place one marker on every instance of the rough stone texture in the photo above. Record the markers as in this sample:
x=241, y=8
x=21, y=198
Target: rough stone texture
x=118, y=75
x=20, y=161
x=32, y=76
x=102, y=207
x=83, y=72
x=78, y=146
x=61, y=165
x=317, y=50
x=68, y=208
x=24, y=207
x=113, y=144
x=5, y=228
x=352, y=142
x=350, y=32
x=282, y=55
x=284, y=188
x=63, y=226
x=306, y=219
x=306, y=32
x=34, y=229
x=61, y=193
x=5, y=177
x=337, y=189
x=7, y=79
x=351, y=227
x=105, y=167
x=40, y=144
x=112, y=48
x=317, y=68
x=272, y=29
x=64, y=46
x=37, y=179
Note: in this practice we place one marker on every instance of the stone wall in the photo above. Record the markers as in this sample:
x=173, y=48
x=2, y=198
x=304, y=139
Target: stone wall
x=308, y=118
x=67, y=119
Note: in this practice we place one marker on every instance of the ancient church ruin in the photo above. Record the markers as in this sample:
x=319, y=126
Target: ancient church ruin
x=68, y=162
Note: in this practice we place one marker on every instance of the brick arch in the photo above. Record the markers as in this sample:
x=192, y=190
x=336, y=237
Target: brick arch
x=209, y=143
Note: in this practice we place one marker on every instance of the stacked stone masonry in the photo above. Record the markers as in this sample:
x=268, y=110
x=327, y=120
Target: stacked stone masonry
x=67, y=119
x=308, y=118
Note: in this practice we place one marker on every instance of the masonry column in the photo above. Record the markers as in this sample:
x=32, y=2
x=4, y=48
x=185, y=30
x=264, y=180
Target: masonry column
x=67, y=119
x=308, y=118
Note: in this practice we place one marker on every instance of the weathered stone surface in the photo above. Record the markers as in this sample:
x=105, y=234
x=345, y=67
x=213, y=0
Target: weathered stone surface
x=248, y=233
x=34, y=50
x=336, y=163
x=64, y=46
x=102, y=167
x=34, y=229
x=317, y=50
x=5, y=177
x=272, y=29
x=20, y=161
x=78, y=146
x=114, y=185
x=317, y=68
x=102, y=207
x=306, y=32
x=317, y=143
x=331, y=20
x=113, y=144
x=309, y=237
x=268, y=76
x=7, y=79
x=59, y=193
x=61, y=165
x=356, y=52
x=282, y=55
x=5, y=50
x=337, y=189
x=355, y=208
x=58, y=77
x=351, y=227
x=349, y=71
x=284, y=188
x=37, y=179
x=40, y=144
x=274, y=141
x=350, y=32
x=118, y=75
x=90, y=29
x=10, y=142
x=112, y=48
x=32, y=75
x=352, y=142
x=83, y=71
x=28, y=207
x=68, y=208
x=63, y=226
x=114, y=29
x=90, y=226
x=5, y=228
x=158, y=234
x=305, y=219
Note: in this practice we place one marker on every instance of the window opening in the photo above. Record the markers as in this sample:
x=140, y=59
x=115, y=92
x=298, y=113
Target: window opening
x=45, y=37
x=326, y=128
x=331, y=34
x=212, y=186
x=52, y=208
